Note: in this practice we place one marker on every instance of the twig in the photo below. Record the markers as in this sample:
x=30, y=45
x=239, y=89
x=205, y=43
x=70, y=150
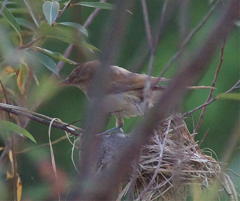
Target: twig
x=30, y=43
x=147, y=25
x=199, y=107
x=204, y=137
x=142, y=53
x=201, y=87
x=189, y=38
x=4, y=92
x=183, y=21
x=147, y=87
x=92, y=16
x=5, y=96
x=66, y=54
x=166, y=12
x=41, y=118
x=234, y=87
x=31, y=13
x=213, y=84
x=159, y=32
x=64, y=9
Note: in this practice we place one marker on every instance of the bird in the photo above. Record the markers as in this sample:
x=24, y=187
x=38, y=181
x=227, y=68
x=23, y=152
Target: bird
x=125, y=96
x=128, y=94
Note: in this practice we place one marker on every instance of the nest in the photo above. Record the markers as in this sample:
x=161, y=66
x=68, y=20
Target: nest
x=169, y=164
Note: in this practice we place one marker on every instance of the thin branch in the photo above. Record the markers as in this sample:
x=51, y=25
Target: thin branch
x=31, y=13
x=234, y=87
x=199, y=107
x=147, y=88
x=204, y=137
x=5, y=96
x=213, y=84
x=147, y=25
x=189, y=38
x=4, y=92
x=41, y=118
x=184, y=19
x=64, y=9
x=66, y=54
x=92, y=16
x=142, y=53
x=165, y=15
x=30, y=43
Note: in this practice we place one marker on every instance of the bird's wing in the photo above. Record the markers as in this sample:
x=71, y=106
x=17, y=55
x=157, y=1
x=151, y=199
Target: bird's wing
x=123, y=80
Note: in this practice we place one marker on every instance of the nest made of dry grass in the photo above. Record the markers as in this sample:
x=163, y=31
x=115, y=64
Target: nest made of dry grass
x=169, y=164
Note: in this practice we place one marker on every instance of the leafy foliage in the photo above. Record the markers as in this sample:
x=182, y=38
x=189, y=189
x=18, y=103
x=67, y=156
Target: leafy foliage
x=28, y=68
x=7, y=127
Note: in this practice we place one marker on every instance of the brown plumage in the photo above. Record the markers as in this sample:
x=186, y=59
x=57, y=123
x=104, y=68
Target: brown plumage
x=125, y=92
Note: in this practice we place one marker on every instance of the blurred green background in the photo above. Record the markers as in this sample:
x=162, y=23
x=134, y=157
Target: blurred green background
x=69, y=104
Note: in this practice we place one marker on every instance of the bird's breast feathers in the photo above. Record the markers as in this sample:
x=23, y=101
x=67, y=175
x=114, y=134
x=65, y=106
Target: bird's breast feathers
x=124, y=104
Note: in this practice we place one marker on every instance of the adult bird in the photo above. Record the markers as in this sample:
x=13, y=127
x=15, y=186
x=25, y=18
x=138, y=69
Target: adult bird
x=125, y=95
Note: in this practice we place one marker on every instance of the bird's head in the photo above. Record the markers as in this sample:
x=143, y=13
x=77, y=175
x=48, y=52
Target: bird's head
x=82, y=75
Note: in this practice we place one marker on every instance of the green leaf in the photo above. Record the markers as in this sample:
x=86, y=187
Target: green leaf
x=100, y=5
x=25, y=23
x=229, y=96
x=62, y=33
x=77, y=26
x=90, y=47
x=48, y=62
x=18, y=10
x=10, y=18
x=7, y=126
x=50, y=11
x=56, y=55
x=43, y=59
x=6, y=47
x=12, y=21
